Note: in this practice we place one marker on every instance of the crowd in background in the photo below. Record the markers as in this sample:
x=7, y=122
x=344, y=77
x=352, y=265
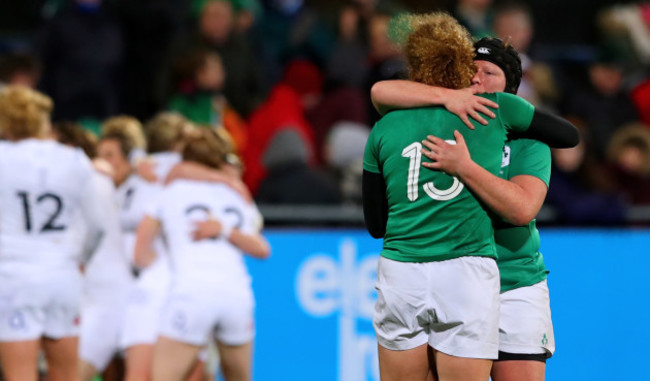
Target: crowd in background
x=290, y=81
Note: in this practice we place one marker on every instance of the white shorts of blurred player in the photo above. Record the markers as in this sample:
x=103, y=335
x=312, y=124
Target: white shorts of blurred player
x=452, y=305
x=102, y=322
x=525, y=324
x=224, y=314
x=145, y=305
x=44, y=306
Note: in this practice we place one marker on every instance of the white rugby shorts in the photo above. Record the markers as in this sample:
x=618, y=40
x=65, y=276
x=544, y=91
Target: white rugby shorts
x=525, y=324
x=452, y=305
x=196, y=318
x=50, y=308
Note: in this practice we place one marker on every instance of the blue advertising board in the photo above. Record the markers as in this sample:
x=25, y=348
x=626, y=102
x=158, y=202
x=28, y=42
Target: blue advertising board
x=315, y=298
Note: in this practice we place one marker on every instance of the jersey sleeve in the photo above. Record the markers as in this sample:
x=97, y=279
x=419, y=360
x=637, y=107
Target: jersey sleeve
x=530, y=157
x=515, y=112
x=371, y=153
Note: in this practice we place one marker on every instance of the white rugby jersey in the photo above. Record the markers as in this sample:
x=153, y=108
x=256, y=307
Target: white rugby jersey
x=164, y=161
x=209, y=261
x=43, y=185
x=108, y=267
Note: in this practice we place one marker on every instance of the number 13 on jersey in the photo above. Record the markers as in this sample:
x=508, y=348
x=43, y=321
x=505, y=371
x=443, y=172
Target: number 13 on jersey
x=414, y=153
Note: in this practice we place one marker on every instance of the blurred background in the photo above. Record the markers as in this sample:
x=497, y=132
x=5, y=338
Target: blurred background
x=290, y=80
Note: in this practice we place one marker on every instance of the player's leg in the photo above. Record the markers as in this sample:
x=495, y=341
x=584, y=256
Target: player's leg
x=451, y=368
x=139, y=359
x=236, y=361
x=197, y=371
x=86, y=370
x=62, y=358
x=407, y=365
x=518, y=370
x=18, y=360
x=172, y=360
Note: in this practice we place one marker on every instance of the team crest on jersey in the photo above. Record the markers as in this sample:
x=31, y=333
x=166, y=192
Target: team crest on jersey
x=505, y=159
x=17, y=320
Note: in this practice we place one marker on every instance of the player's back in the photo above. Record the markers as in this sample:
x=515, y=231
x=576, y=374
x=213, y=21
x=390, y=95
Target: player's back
x=41, y=188
x=433, y=216
x=208, y=261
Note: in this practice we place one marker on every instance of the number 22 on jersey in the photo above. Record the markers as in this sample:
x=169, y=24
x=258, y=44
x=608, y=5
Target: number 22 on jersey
x=414, y=153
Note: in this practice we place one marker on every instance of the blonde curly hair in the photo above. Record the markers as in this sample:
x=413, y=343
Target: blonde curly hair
x=439, y=51
x=24, y=112
x=127, y=130
x=165, y=130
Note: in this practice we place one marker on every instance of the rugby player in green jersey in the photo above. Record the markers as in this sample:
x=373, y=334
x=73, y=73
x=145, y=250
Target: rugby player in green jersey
x=526, y=337
x=438, y=283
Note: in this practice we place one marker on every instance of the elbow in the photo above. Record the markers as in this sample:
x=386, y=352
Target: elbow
x=376, y=232
x=521, y=217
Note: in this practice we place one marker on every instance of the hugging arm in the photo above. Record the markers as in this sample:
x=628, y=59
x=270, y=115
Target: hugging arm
x=375, y=204
x=551, y=129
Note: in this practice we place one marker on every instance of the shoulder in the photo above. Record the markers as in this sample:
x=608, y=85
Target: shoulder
x=529, y=146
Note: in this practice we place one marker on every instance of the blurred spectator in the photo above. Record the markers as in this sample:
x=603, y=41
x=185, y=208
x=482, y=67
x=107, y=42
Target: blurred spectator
x=200, y=98
x=243, y=87
x=604, y=106
x=344, y=150
x=284, y=109
x=82, y=50
x=290, y=179
x=626, y=28
x=513, y=22
x=476, y=16
x=150, y=27
x=385, y=56
x=641, y=97
x=581, y=191
x=629, y=155
x=291, y=29
x=20, y=69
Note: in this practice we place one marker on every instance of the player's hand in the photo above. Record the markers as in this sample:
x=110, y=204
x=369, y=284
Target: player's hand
x=145, y=169
x=210, y=228
x=449, y=158
x=465, y=104
x=104, y=167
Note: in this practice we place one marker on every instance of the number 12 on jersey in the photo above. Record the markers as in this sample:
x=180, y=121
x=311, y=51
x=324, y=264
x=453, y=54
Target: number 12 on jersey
x=414, y=153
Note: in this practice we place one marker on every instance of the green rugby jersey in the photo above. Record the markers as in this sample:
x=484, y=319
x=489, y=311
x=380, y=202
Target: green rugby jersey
x=432, y=216
x=520, y=262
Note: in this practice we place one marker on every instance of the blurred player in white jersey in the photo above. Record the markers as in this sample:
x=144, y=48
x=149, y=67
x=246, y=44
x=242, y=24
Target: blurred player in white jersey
x=211, y=295
x=121, y=137
x=43, y=185
x=107, y=276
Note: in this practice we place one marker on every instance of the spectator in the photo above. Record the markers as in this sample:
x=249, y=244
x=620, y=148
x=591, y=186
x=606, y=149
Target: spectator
x=629, y=155
x=581, y=191
x=290, y=179
x=200, y=97
x=284, y=109
x=20, y=69
x=215, y=32
x=82, y=51
x=476, y=16
x=604, y=106
x=344, y=149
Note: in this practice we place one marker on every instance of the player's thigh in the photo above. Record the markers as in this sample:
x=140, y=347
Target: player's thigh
x=62, y=358
x=172, y=359
x=18, y=360
x=407, y=365
x=518, y=370
x=235, y=317
x=452, y=368
x=100, y=332
x=236, y=361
